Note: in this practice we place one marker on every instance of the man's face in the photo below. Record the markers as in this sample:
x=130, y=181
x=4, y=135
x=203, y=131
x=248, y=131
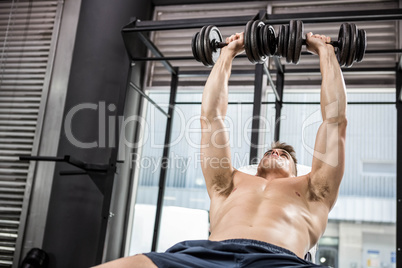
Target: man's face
x=277, y=159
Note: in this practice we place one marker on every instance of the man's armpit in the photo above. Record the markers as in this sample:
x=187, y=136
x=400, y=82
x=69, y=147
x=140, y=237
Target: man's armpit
x=222, y=184
x=319, y=190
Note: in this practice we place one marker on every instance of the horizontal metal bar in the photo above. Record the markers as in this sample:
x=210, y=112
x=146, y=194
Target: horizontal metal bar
x=372, y=102
x=198, y=103
x=42, y=158
x=349, y=102
x=70, y=160
x=174, y=58
x=305, y=53
x=149, y=99
x=345, y=70
x=337, y=16
x=72, y=172
x=288, y=71
x=103, y=168
x=208, y=71
x=316, y=17
x=384, y=51
x=187, y=23
x=292, y=102
x=373, y=51
x=162, y=58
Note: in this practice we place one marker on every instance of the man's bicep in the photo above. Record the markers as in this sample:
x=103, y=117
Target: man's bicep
x=329, y=159
x=215, y=155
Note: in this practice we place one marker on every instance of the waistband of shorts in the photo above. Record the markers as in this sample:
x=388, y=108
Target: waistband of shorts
x=252, y=242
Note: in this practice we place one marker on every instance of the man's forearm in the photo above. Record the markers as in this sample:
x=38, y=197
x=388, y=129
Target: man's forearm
x=332, y=87
x=215, y=95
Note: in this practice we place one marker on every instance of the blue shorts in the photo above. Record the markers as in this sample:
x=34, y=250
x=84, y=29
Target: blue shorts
x=227, y=253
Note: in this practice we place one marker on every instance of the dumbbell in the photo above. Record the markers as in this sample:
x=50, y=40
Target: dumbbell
x=351, y=43
x=260, y=42
x=207, y=43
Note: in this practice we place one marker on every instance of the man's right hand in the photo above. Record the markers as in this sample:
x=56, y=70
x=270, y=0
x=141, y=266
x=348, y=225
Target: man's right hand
x=235, y=44
x=318, y=43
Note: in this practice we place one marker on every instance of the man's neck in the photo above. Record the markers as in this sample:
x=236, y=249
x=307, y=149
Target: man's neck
x=274, y=174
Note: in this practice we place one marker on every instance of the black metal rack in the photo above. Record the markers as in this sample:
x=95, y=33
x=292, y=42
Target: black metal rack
x=136, y=29
x=103, y=177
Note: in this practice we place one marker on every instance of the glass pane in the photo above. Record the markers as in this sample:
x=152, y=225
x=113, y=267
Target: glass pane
x=371, y=97
x=366, y=206
x=301, y=97
x=239, y=122
x=267, y=124
x=196, y=96
x=299, y=125
x=148, y=161
x=186, y=202
x=388, y=96
x=327, y=256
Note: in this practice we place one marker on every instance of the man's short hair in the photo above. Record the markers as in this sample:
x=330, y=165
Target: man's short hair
x=288, y=148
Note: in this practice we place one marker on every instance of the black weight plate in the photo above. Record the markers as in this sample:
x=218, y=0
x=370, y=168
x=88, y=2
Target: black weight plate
x=298, y=41
x=194, y=46
x=255, y=32
x=344, y=41
x=340, y=43
x=286, y=41
x=271, y=38
x=260, y=38
x=253, y=42
x=283, y=39
x=264, y=39
x=200, y=46
x=247, y=44
x=206, y=45
x=352, y=47
x=358, y=40
x=291, y=41
x=362, y=45
x=281, y=33
x=214, y=36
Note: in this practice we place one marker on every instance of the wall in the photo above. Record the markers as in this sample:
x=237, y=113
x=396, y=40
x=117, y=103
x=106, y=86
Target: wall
x=358, y=240
x=99, y=73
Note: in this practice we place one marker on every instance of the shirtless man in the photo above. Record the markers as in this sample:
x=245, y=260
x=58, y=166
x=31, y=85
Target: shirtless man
x=271, y=219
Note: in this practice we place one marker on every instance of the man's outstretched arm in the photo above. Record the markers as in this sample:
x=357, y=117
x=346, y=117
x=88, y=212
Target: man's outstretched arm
x=215, y=147
x=329, y=150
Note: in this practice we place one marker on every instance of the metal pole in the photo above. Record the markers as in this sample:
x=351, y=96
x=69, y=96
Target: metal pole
x=259, y=71
x=107, y=181
x=165, y=157
x=280, y=79
x=399, y=168
x=271, y=82
x=136, y=88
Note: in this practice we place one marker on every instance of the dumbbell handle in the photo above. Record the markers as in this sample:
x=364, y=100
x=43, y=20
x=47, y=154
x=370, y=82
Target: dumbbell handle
x=332, y=43
x=216, y=44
